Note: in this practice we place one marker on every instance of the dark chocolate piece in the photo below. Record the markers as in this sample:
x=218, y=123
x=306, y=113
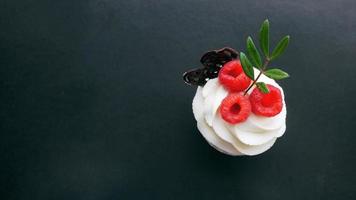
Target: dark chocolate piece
x=212, y=62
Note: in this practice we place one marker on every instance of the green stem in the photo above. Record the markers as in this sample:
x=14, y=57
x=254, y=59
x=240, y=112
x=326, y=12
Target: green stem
x=259, y=75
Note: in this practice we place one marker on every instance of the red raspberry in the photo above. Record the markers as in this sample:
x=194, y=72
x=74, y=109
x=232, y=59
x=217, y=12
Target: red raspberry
x=267, y=105
x=233, y=78
x=235, y=108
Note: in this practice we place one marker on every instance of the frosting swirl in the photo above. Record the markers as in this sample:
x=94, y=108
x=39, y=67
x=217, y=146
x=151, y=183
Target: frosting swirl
x=254, y=136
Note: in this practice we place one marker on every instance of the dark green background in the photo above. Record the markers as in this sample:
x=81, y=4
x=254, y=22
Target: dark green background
x=93, y=105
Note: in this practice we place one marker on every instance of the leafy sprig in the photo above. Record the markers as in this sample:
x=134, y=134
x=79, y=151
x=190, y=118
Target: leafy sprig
x=253, y=58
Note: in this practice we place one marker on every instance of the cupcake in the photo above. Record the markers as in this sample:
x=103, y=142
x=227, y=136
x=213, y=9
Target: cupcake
x=239, y=107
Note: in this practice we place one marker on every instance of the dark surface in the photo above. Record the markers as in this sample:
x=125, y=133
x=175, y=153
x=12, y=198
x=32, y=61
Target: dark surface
x=93, y=105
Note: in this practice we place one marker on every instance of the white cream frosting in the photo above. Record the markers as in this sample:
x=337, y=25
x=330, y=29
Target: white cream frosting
x=254, y=136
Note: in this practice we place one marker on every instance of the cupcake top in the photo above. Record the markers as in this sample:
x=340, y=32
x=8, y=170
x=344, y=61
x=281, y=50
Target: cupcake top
x=239, y=107
x=251, y=137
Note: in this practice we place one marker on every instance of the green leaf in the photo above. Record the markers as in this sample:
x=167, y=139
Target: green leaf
x=276, y=74
x=264, y=37
x=281, y=46
x=253, y=53
x=263, y=87
x=247, y=66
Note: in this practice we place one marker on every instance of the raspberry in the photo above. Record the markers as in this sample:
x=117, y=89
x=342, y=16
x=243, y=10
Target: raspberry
x=235, y=108
x=232, y=77
x=267, y=105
